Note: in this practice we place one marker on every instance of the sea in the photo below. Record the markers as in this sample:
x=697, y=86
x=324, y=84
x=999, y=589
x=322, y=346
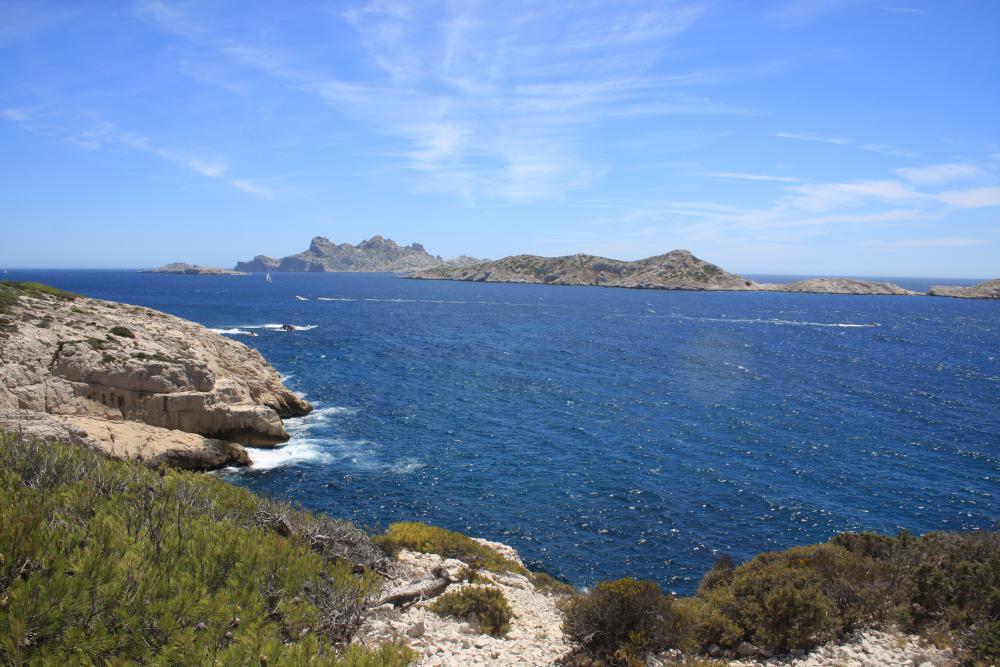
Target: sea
x=612, y=432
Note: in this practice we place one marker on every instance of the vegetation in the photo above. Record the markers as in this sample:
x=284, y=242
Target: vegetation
x=447, y=543
x=122, y=332
x=942, y=585
x=11, y=291
x=482, y=606
x=108, y=562
x=620, y=621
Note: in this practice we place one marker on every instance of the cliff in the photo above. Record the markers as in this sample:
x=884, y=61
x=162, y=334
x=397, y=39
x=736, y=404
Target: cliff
x=194, y=270
x=375, y=254
x=134, y=382
x=678, y=269
x=989, y=289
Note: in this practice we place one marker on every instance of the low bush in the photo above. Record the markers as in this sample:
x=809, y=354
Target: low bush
x=621, y=621
x=11, y=290
x=121, y=332
x=108, y=562
x=484, y=607
x=447, y=543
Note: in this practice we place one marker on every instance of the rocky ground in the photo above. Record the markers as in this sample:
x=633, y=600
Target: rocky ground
x=868, y=647
x=135, y=382
x=535, y=637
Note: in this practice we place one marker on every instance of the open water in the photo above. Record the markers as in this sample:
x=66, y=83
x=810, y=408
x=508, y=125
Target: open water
x=611, y=432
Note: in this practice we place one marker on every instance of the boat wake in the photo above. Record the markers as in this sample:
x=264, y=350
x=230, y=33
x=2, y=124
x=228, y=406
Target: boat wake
x=796, y=323
x=280, y=327
x=233, y=332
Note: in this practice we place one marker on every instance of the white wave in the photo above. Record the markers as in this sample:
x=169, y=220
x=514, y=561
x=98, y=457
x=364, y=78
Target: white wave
x=295, y=451
x=728, y=320
x=315, y=418
x=333, y=298
x=277, y=327
x=301, y=298
x=233, y=332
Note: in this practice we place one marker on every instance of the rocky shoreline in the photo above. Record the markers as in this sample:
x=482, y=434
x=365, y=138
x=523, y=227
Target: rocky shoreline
x=135, y=382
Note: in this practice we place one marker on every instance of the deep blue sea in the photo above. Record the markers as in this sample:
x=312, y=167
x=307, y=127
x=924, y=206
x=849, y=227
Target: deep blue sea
x=611, y=432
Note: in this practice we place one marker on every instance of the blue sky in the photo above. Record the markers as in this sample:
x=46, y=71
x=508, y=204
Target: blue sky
x=839, y=137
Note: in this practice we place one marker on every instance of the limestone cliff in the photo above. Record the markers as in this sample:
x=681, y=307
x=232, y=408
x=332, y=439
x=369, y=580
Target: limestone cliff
x=171, y=389
x=375, y=254
x=989, y=289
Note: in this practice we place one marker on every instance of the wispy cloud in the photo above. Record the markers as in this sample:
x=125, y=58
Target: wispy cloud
x=93, y=135
x=800, y=12
x=749, y=177
x=492, y=106
x=902, y=10
x=885, y=149
x=940, y=173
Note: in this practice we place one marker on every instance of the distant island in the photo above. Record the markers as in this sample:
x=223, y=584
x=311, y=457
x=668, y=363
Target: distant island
x=676, y=270
x=375, y=254
x=989, y=289
x=194, y=270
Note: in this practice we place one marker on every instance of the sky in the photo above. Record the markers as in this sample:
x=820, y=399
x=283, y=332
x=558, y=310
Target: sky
x=834, y=137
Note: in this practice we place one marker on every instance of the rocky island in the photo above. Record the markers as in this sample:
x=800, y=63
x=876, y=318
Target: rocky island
x=678, y=269
x=194, y=270
x=989, y=289
x=374, y=254
x=675, y=270
x=134, y=382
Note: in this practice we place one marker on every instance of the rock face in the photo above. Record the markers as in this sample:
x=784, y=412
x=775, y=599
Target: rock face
x=678, y=269
x=985, y=290
x=840, y=286
x=375, y=254
x=136, y=382
x=194, y=270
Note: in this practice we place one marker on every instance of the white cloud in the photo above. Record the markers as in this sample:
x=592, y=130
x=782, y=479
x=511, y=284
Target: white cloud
x=973, y=198
x=812, y=137
x=486, y=105
x=940, y=173
x=749, y=177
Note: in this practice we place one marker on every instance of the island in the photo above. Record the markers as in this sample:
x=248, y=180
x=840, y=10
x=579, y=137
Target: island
x=989, y=289
x=675, y=270
x=376, y=254
x=194, y=270
x=134, y=382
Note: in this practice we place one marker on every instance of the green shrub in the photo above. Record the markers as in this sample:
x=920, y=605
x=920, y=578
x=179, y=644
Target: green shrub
x=11, y=290
x=620, y=621
x=121, y=332
x=484, y=607
x=108, y=562
x=548, y=584
x=447, y=543
x=698, y=624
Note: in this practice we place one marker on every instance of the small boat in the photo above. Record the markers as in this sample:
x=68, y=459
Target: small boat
x=268, y=278
x=301, y=298
x=287, y=327
x=872, y=324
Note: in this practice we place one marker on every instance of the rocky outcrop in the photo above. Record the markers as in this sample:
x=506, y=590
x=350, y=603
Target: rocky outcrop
x=840, y=286
x=138, y=383
x=989, y=289
x=194, y=270
x=678, y=269
x=375, y=254
x=464, y=261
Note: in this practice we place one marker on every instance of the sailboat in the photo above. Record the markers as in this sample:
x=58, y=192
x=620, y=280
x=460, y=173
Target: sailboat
x=268, y=278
